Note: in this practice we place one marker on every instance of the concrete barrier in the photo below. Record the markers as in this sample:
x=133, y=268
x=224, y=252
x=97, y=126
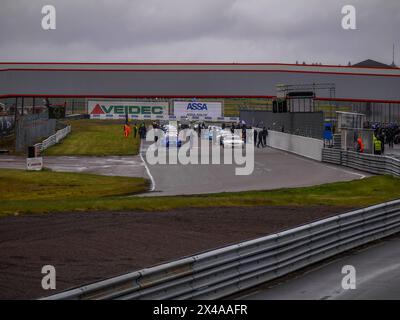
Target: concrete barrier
x=304, y=146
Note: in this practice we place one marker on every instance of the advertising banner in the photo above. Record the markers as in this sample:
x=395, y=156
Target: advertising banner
x=166, y=118
x=131, y=108
x=34, y=164
x=197, y=109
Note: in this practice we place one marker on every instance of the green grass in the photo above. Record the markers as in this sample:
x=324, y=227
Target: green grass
x=19, y=185
x=42, y=192
x=96, y=138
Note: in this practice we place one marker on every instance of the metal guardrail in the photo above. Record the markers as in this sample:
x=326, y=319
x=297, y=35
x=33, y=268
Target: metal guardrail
x=226, y=271
x=54, y=139
x=365, y=162
x=332, y=155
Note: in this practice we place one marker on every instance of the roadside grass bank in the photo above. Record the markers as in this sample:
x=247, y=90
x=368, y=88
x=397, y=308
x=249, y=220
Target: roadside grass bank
x=95, y=138
x=25, y=189
x=43, y=192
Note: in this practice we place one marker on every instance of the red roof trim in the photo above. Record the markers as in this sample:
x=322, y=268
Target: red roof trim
x=194, y=64
x=209, y=70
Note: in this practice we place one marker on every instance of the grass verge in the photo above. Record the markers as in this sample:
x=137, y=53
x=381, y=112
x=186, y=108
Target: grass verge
x=25, y=189
x=42, y=192
x=96, y=138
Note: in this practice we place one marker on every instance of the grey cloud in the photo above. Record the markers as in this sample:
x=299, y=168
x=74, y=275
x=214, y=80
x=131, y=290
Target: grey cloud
x=198, y=31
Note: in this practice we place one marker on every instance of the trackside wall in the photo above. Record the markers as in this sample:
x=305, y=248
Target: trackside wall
x=303, y=146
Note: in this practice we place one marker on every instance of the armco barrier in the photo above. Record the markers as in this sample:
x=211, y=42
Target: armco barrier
x=226, y=271
x=332, y=155
x=304, y=146
x=54, y=139
x=365, y=162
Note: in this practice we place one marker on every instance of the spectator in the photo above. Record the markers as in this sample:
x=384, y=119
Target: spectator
x=244, y=136
x=377, y=145
x=360, y=145
x=264, y=136
x=260, y=139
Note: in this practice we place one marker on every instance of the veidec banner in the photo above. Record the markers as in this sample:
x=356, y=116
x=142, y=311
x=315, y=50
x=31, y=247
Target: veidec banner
x=98, y=107
x=198, y=109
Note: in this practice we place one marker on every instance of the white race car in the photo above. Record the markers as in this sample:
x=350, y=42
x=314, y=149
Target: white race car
x=232, y=141
x=214, y=130
x=222, y=134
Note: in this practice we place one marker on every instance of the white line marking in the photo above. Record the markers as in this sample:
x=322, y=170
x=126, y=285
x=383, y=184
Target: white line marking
x=261, y=166
x=346, y=171
x=153, y=183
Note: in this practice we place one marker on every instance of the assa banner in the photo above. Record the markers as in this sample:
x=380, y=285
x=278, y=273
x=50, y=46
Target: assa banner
x=138, y=108
x=197, y=109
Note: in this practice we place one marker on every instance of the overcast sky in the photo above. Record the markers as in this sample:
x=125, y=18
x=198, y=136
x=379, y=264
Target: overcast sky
x=199, y=31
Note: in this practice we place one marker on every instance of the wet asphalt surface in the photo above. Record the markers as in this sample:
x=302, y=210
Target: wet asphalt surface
x=273, y=169
x=127, y=166
x=377, y=277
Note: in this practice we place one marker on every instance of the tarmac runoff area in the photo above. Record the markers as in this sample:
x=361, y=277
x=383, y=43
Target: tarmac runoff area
x=273, y=169
x=127, y=166
x=377, y=277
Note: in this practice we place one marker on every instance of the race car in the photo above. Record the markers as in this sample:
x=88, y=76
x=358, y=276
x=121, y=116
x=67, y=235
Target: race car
x=222, y=134
x=211, y=131
x=171, y=138
x=232, y=141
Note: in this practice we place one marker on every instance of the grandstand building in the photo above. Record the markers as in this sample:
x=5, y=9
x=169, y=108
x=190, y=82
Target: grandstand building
x=363, y=88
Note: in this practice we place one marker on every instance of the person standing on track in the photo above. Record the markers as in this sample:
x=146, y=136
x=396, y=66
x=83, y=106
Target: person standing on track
x=264, y=136
x=142, y=131
x=260, y=139
x=255, y=137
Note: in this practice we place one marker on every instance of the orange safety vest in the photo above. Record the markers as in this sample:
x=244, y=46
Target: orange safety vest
x=360, y=144
x=127, y=130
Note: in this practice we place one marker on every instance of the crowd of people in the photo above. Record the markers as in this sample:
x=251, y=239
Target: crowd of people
x=387, y=133
x=260, y=136
x=136, y=129
x=383, y=134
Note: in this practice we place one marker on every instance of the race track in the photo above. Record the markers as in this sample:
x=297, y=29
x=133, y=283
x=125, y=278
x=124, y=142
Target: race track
x=377, y=277
x=127, y=166
x=273, y=169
